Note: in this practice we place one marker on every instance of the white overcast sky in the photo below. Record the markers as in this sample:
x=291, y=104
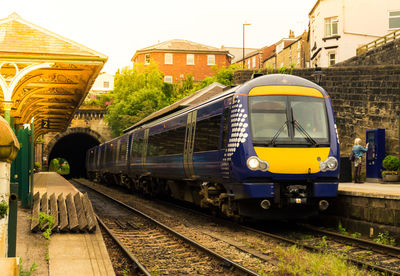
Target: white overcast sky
x=117, y=28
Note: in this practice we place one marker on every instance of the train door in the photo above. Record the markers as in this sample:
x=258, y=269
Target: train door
x=144, y=152
x=189, y=144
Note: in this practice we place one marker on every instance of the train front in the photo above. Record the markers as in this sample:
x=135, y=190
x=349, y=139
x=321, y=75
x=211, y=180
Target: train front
x=285, y=148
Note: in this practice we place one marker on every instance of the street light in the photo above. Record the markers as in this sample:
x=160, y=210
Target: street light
x=244, y=24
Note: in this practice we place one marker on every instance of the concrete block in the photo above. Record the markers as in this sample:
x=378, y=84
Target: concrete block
x=396, y=218
x=72, y=216
x=91, y=218
x=54, y=211
x=356, y=212
x=378, y=203
x=393, y=204
x=44, y=208
x=63, y=224
x=382, y=216
x=83, y=224
x=360, y=201
x=35, y=212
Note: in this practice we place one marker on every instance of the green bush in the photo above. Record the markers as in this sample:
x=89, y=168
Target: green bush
x=3, y=209
x=391, y=163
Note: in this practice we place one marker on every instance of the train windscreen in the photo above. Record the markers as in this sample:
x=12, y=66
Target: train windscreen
x=291, y=120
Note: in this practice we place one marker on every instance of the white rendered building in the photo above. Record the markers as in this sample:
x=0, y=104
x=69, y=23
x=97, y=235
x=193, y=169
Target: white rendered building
x=103, y=84
x=339, y=27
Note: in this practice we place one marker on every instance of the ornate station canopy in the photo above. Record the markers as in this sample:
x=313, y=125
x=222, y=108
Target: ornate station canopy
x=43, y=75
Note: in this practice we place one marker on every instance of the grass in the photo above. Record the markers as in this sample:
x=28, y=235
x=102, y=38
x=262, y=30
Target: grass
x=295, y=261
x=49, y=220
x=31, y=270
x=384, y=238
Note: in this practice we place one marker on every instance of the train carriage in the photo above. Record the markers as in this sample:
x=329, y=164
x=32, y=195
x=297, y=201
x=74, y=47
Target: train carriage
x=261, y=149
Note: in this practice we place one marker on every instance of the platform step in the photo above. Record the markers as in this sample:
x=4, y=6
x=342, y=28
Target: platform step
x=73, y=213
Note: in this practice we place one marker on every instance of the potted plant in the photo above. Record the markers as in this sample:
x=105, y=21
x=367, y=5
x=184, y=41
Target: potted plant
x=391, y=165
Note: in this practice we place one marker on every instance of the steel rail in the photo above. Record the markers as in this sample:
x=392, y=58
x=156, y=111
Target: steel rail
x=385, y=249
x=319, y=250
x=226, y=261
x=126, y=250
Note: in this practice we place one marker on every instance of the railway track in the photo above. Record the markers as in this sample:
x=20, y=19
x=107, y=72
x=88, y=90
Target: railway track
x=359, y=252
x=362, y=252
x=155, y=247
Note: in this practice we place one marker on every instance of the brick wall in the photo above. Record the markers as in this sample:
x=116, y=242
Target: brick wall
x=363, y=98
x=179, y=69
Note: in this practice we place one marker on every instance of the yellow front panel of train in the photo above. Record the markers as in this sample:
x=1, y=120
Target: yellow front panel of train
x=292, y=160
x=285, y=90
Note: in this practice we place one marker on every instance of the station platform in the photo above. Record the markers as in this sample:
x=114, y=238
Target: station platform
x=378, y=190
x=367, y=208
x=68, y=253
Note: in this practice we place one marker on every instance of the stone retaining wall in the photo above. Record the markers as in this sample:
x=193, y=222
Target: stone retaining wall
x=366, y=214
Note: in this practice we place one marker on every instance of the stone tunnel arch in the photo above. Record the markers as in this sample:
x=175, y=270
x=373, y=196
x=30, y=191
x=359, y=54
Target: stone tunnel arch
x=72, y=146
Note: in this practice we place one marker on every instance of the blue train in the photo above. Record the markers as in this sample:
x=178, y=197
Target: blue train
x=263, y=149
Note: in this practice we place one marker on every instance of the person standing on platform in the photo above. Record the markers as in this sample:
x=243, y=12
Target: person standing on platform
x=358, y=152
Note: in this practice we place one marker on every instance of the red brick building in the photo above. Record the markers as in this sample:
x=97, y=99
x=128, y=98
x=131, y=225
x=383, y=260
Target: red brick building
x=177, y=58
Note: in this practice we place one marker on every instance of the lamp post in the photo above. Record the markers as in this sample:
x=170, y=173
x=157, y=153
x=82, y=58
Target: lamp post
x=318, y=75
x=244, y=24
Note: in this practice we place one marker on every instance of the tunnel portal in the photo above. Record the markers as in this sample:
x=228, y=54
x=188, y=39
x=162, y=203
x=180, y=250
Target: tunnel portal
x=72, y=148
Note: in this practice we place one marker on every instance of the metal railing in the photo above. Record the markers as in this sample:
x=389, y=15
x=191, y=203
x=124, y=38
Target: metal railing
x=378, y=42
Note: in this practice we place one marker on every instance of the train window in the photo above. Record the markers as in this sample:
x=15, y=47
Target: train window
x=288, y=119
x=137, y=148
x=268, y=116
x=207, y=134
x=166, y=143
x=122, y=149
x=175, y=141
x=311, y=115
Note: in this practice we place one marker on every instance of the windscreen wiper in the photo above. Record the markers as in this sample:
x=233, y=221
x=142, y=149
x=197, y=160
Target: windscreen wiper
x=278, y=133
x=305, y=133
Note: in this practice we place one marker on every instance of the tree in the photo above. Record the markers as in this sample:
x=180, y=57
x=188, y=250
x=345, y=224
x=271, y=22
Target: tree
x=137, y=93
x=223, y=75
x=140, y=91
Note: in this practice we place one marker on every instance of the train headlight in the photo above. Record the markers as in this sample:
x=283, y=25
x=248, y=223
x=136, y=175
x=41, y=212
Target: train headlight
x=329, y=164
x=254, y=164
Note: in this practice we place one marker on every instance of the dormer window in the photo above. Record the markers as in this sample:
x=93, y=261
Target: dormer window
x=331, y=26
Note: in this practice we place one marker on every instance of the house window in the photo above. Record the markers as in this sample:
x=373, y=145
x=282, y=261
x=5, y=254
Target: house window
x=248, y=63
x=190, y=59
x=331, y=26
x=210, y=59
x=168, y=79
x=147, y=59
x=168, y=58
x=394, y=19
x=106, y=84
x=254, y=62
x=332, y=59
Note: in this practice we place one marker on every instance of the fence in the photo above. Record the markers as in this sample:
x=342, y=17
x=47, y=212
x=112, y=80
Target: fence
x=379, y=42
